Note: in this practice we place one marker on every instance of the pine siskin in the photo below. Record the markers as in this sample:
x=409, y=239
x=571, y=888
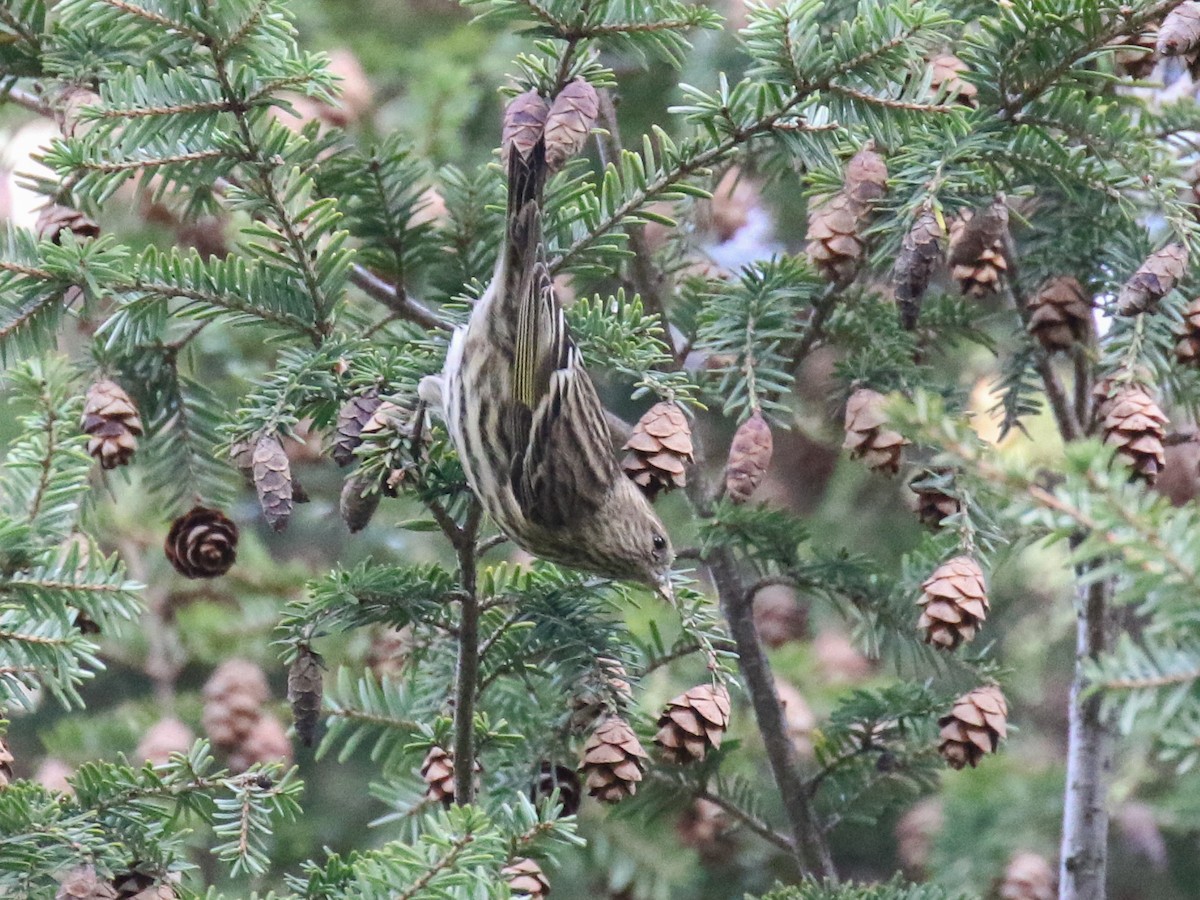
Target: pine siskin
x=524, y=415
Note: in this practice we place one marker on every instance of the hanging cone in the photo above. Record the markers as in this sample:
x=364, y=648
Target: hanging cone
x=351, y=419
x=1179, y=33
x=551, y=777
x=267, y=742
x=570, y=120
x=1187, y=351
x=1153, y=280
x=358, y=501
x=1059, y=313
x=163, y=739
x=946, y=81
x=438, y=772
x=82, y=883
x=704, y=826
x=660, y=449
x=524, y=123
x=390, y=651
x=526, y=879
x=866, y=176
x=55, y=218
x=916, y=832
x=693, y=723
x=920, y=255
x=613, y=761
x=778, y=617
x=1028, y=877
x=867, y=437
x=273, y=481
x=976, y=254
x=202, y=543
x=6, y=761
x=1135, y=55
x=933, y=500
x=974, y=727
x=112, y=424
x=749, y=458
x=1134, y=424
x=233, y=702
x=953, y=603
x=305, y=688
x=602, y=691
x=835, y=246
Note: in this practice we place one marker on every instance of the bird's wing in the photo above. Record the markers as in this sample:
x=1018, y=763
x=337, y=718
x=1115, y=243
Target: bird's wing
x=567, y=463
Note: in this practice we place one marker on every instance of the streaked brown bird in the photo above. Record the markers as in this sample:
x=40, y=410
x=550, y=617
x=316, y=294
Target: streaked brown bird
x=523, y=413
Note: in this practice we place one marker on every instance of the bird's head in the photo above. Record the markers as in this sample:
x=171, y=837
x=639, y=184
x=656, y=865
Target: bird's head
x=630, y=541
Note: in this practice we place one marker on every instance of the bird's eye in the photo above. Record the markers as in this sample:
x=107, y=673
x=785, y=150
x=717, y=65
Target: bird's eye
x=660, y=543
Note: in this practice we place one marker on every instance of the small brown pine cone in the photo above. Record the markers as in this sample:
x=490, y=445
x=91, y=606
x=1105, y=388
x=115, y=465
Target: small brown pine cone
x=976, y=254
x=604, y=690
x=953, y=603
x=660, y=449
x=704, y=827
x=866, y=176
x=693, y=723
x=390, y=651
x=202, y=543
x=163, y=739
x=233, y=700
x=798, y=717
x=524, y=123
x=551, y=777
x=1187, y=351
x=835, y=245
x=778, y=618
x=526, y=879
x=267, y=742
x=305, y=689
x=1028, y=876
x=438, y=772
x=1179, y=33
x=933, y=503
x=6, y=761
x=68, y=111
x=570, y=120
x=385, y=421
x=54, y=219
x=351, y=419
x=920, y=255
x=749, y=458
x=613, y=761
x=1153, y=280
x=273, y=481
x=53, y=775
x=358, y=501
x=946, y=80
x=82, y=883
x=1059, y=313
x=915, y=833
x=1135, y=54
x=1134, y=424
x=112, y=424
x=867, y=435
x=974, y=727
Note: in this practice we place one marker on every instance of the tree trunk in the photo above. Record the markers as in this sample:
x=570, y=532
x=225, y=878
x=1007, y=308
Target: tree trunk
x=1089, y=756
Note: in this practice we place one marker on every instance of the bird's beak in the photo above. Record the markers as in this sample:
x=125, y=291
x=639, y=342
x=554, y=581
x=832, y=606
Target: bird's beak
x=663, y=588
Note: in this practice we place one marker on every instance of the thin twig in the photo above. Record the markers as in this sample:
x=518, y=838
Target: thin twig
x=762, y=829
x=466, y=679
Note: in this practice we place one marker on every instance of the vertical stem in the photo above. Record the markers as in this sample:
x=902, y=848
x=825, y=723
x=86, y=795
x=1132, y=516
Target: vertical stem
x=466, y=678
x=812, y=850
x=1089, y=755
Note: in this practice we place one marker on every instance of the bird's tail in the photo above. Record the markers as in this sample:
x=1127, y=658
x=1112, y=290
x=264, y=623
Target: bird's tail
x=526, y=184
